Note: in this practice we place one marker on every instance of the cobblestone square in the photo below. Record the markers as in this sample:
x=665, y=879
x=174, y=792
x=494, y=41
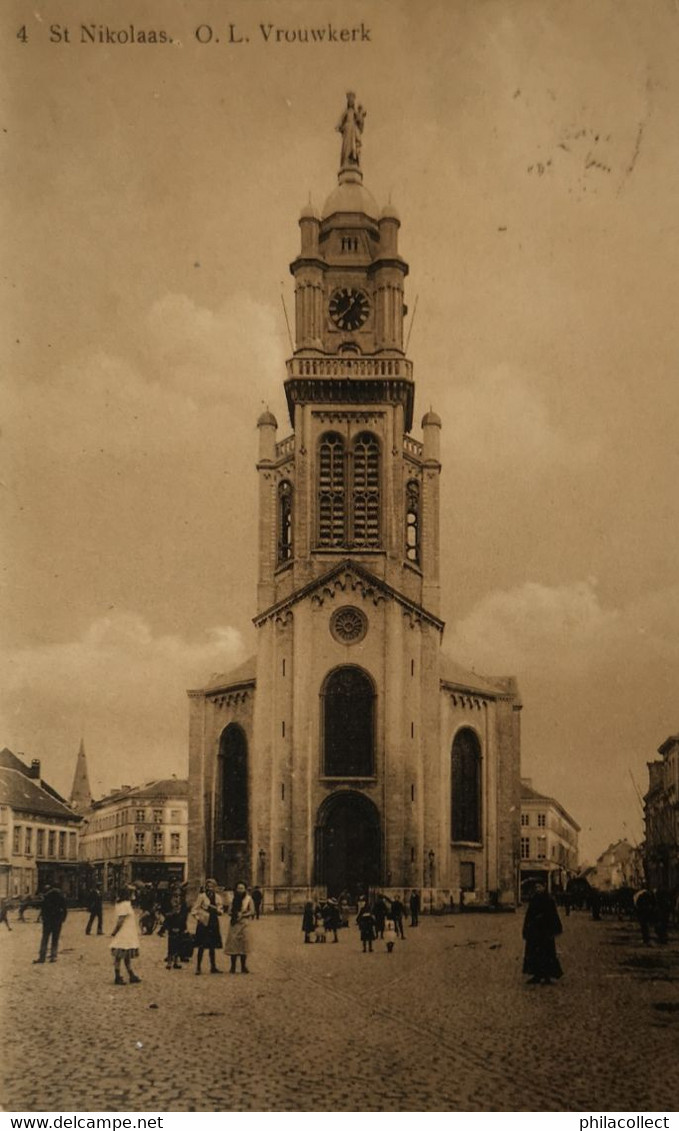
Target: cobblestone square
x=444, y=1023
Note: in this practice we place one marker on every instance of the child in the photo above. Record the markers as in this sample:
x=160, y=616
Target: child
x=366, y=925
x=174, y=924
x=127, y=946
x=320, y=927
x=308, y=921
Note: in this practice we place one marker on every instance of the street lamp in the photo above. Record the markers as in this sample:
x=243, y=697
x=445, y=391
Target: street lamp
x=432, y=857
x=262, y=865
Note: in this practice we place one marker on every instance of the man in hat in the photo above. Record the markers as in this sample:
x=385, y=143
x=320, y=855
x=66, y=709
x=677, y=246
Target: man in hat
x=54, y=912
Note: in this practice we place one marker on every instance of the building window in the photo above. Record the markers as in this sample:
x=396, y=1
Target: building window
x=331, y=490
x=525, y=848
x=542, y=848
x=467, y=876
x=3, y=814
x=140, y=816
x=525, y=819
x=158, y=846
x=40, y=847
x=366, y=491
x=139, y=844
x=466, y=786
x=284, y=530
x=28, y=841
x=62, y=846
x=51, y=844
x=175, y=814
x=3, y=845
x=542, y=820
x=175, y=844
x=413, y=522
x=348, y=711
x=157, y=816
x=233, y=756
x=17, y=839
x=358, y=525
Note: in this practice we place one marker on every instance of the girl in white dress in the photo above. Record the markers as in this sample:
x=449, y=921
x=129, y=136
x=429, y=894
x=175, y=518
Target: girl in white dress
x=126, y=946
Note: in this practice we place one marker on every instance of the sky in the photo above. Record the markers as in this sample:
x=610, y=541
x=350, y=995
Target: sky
x=151, y=197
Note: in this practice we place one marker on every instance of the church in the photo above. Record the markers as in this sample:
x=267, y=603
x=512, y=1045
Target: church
x=350, y=754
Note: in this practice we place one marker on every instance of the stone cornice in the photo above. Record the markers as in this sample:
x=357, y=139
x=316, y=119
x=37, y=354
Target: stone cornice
x=350, y=574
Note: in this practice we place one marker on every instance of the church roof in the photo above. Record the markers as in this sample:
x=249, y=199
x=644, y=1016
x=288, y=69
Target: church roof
x=455, y=674
x=81, y=794
x=244, y=673
x=26, y=795
x=350, y=196
x=370, y=582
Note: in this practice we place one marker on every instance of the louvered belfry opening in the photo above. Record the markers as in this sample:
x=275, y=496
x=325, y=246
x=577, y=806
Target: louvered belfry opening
x=332, y=494
x=359, y=525
x=366, y=491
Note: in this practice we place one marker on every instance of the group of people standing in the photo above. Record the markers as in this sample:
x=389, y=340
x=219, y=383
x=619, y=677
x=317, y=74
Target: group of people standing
x=374, y=916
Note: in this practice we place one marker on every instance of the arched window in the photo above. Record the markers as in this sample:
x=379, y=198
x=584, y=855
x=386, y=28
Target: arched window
x=348, y=710
x=366, y=491
x=413, y=521
x=466, y=786
x=233, y=758
x=331, y=491
x=284, y=540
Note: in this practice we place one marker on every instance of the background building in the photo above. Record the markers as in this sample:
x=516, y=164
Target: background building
x=661, y=817
x=619, y=866
x=549, y=840
x=349, y=753
x=38, y=832
x=136, y=833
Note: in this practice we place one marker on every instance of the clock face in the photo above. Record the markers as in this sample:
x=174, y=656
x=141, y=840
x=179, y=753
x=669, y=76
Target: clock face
x=349, y=308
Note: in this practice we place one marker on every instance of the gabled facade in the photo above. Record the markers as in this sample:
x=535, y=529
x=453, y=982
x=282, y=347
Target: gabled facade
x=342, y=757
x=661, y=817
x=38, y=832
x=549, y=840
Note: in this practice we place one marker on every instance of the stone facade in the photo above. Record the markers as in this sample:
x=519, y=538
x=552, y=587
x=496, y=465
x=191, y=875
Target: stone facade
x=661, y=818
x=350, y=754
x=549, y=841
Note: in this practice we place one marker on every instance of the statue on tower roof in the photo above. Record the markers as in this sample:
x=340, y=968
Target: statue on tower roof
x=350, y=126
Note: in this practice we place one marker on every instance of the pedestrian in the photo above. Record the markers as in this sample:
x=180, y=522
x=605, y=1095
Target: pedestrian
x=4, y=916
x=397, y=913
x=319, y=929
x=95, y=908
x=663, y=911
x=644, y=905
x=308, y=921
x=126, y=946
x=365, y=921
x=237, y=944
x=414, y=908
x=54, y=912
x=541, y=925
x=257, y=899
x=331, y=915
x=206, y=911
x=380, y=913
x=174, y=926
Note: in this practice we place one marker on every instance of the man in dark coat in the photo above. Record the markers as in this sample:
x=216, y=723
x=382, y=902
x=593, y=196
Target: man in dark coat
x=397, y=913
x=540, y=928
x=257, y=899
x=53, y=914
x=95, y=908
x=414, y=908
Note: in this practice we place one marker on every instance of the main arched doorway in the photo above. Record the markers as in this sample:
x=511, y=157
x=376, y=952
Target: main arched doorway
x=348, y=850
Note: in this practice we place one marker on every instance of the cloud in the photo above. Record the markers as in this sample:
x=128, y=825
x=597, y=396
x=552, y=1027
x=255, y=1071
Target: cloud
x=501, y=419
x=566, y=630
x=120, y=685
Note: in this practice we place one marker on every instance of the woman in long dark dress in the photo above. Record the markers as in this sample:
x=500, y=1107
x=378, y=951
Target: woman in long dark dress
x=206, y=910
x=540, y=928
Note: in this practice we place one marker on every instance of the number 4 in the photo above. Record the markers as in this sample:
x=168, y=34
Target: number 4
x=22, y=34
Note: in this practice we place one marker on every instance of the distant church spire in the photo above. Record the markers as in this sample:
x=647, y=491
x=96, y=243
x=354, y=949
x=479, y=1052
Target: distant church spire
x=81, y=794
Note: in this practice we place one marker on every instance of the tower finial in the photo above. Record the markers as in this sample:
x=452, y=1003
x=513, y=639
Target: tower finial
x=350, y=126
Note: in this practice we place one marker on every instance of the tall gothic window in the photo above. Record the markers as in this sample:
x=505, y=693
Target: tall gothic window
x=348, y=714
x=331, y=493
x=366, y=491
x=233, y=760
x=413, y=521
x=284, y=540
x=349, y=492
x=466, y=786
